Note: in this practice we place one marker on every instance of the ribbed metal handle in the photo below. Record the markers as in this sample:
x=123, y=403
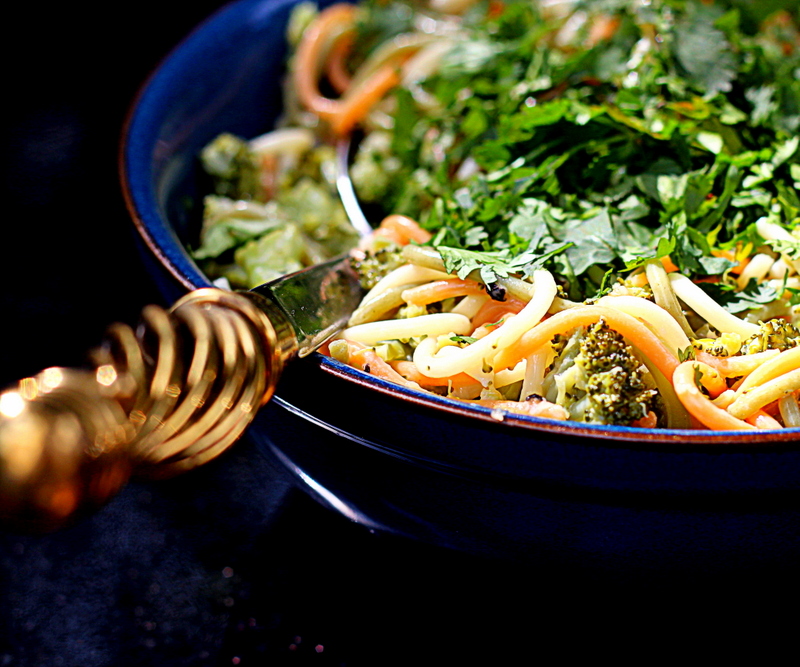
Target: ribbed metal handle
x=164, y=398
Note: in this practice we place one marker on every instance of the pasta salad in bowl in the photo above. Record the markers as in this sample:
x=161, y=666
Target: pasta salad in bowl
x=580, y=292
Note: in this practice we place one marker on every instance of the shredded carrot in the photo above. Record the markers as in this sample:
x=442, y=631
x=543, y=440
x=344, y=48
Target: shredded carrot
x=356, y=104
x=602, y=29
x=732, y=256
x=698, y=404
x=638, y=279
x=486, y=329
x=335, y=68
x=439, y=290
x=495, y=8
x=632, y=329
x=494, y=311
x=309, y=52
x=761, y=419
x=773, y=408
x=669, y=265
x=540, y=408
x=714, y=382
x=409, y=370
x=345, y=112
x=404, y=229
x=366, y=359
x=268, y=176
x=648, y=421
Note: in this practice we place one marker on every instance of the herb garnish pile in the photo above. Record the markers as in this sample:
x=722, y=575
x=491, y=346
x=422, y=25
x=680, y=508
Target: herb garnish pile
x=641, y=130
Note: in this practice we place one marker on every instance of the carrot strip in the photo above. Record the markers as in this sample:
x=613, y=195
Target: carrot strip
x=494, y=311
x=534, y=408
x=603, y=27
x=343, y=113
x=406, y=229
x=268, y=176
x=409, y=370
x=731, y=255
x=698, y=404
x=648, y=421
x=638, y=279
x=307, y=57
x=714, y=383
x=485, y=329
x=439, y=290
x=335, y=68
x=761, y=419
x=669, y=265
x=366, y=359
x=357, y=103
x=632, y=329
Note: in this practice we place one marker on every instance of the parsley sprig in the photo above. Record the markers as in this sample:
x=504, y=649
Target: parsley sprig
x=671, y=137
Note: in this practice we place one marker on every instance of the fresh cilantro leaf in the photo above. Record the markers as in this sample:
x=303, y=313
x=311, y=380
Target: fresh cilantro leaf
x=786, y=246
x=463, y=340
x=593, y=241
x=704, y=52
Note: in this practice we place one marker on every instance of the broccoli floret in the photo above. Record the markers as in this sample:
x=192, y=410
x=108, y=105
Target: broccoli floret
x=376, y=264
x=616, y=392
x=232, y=166
x=597, y=378
x=775, y=334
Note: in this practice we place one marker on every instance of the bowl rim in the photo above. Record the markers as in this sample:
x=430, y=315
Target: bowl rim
x=144, y=216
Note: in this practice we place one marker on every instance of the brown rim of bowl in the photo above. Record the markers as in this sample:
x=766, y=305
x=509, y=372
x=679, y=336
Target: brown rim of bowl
x=122, y=171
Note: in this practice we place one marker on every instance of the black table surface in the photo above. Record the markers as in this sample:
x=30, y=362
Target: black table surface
x=232, y=564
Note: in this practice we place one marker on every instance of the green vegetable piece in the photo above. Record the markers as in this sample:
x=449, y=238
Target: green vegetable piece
x=232, y=167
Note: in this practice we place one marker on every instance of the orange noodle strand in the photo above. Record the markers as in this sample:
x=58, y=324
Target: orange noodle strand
x=335, y=68
x=439, y=290
x=404, y=229
x=308, y=56
x=698, y=404
x=409, y=370
x=357, y=103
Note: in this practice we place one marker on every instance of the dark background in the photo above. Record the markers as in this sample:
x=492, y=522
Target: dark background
x=230, y=564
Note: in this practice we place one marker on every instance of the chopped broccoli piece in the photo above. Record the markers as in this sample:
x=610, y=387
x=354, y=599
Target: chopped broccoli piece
x=277, y=253
x=375, y=265
x=616, y=391
x=305, y=220
x=319, y=213
x=598, y=379
x=232, y=166
x=775, y=334
x=229, y=223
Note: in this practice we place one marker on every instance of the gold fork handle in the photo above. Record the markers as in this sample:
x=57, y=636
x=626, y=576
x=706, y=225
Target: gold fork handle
x=162, y=399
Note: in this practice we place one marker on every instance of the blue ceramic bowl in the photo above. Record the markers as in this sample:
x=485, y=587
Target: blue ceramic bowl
x=429, y=468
